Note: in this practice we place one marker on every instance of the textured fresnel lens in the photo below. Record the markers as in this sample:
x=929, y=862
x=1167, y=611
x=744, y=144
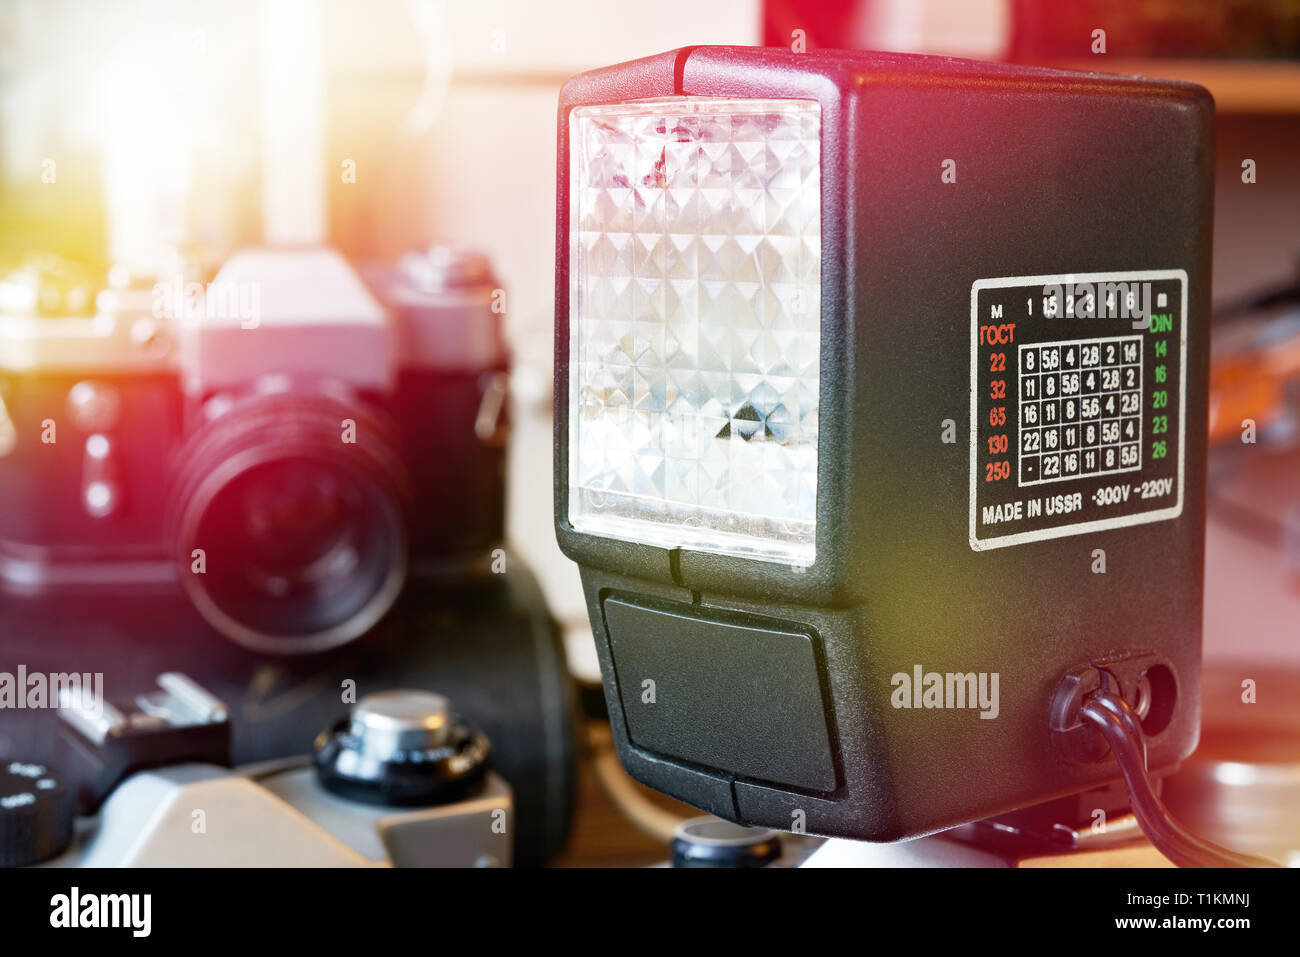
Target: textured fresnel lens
x=695, y=322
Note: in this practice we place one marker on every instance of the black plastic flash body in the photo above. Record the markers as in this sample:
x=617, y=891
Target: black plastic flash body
x=881, y=388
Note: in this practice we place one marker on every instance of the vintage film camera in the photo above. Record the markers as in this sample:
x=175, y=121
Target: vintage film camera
x=221, y=417
x=284, y=442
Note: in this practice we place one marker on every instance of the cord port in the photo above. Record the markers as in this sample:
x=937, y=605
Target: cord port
x=1158, y=692
x=1147, y=684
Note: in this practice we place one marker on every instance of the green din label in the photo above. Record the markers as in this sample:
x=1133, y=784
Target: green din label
x=1077, y=404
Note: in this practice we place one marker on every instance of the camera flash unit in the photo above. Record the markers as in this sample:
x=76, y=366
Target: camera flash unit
x=881, y=388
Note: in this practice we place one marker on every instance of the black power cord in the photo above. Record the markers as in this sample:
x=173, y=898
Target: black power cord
x=1112, y=717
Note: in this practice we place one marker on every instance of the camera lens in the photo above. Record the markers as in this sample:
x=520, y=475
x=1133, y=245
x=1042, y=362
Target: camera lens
x=297, y=533
x=292, y=539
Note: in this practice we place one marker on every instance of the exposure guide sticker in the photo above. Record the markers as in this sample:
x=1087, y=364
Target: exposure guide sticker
x=1078, y=400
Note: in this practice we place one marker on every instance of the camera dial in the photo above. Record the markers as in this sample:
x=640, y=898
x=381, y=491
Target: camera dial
x=36, y=813
x=401, y=749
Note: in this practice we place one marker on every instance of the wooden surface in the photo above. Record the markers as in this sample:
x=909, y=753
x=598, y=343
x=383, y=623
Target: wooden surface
x=1139, y=855
x=602, y=836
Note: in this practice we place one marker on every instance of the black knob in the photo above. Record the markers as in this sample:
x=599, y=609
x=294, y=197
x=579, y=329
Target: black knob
x=712, y=842
x=402, y=749
x=36, y=814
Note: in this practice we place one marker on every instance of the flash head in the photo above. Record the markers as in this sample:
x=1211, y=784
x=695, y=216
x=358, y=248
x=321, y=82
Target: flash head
x=881, y=387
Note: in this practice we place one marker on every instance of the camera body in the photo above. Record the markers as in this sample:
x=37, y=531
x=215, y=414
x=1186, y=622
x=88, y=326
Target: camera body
x=280, y=441
x=959, y=240
x=399, y=779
